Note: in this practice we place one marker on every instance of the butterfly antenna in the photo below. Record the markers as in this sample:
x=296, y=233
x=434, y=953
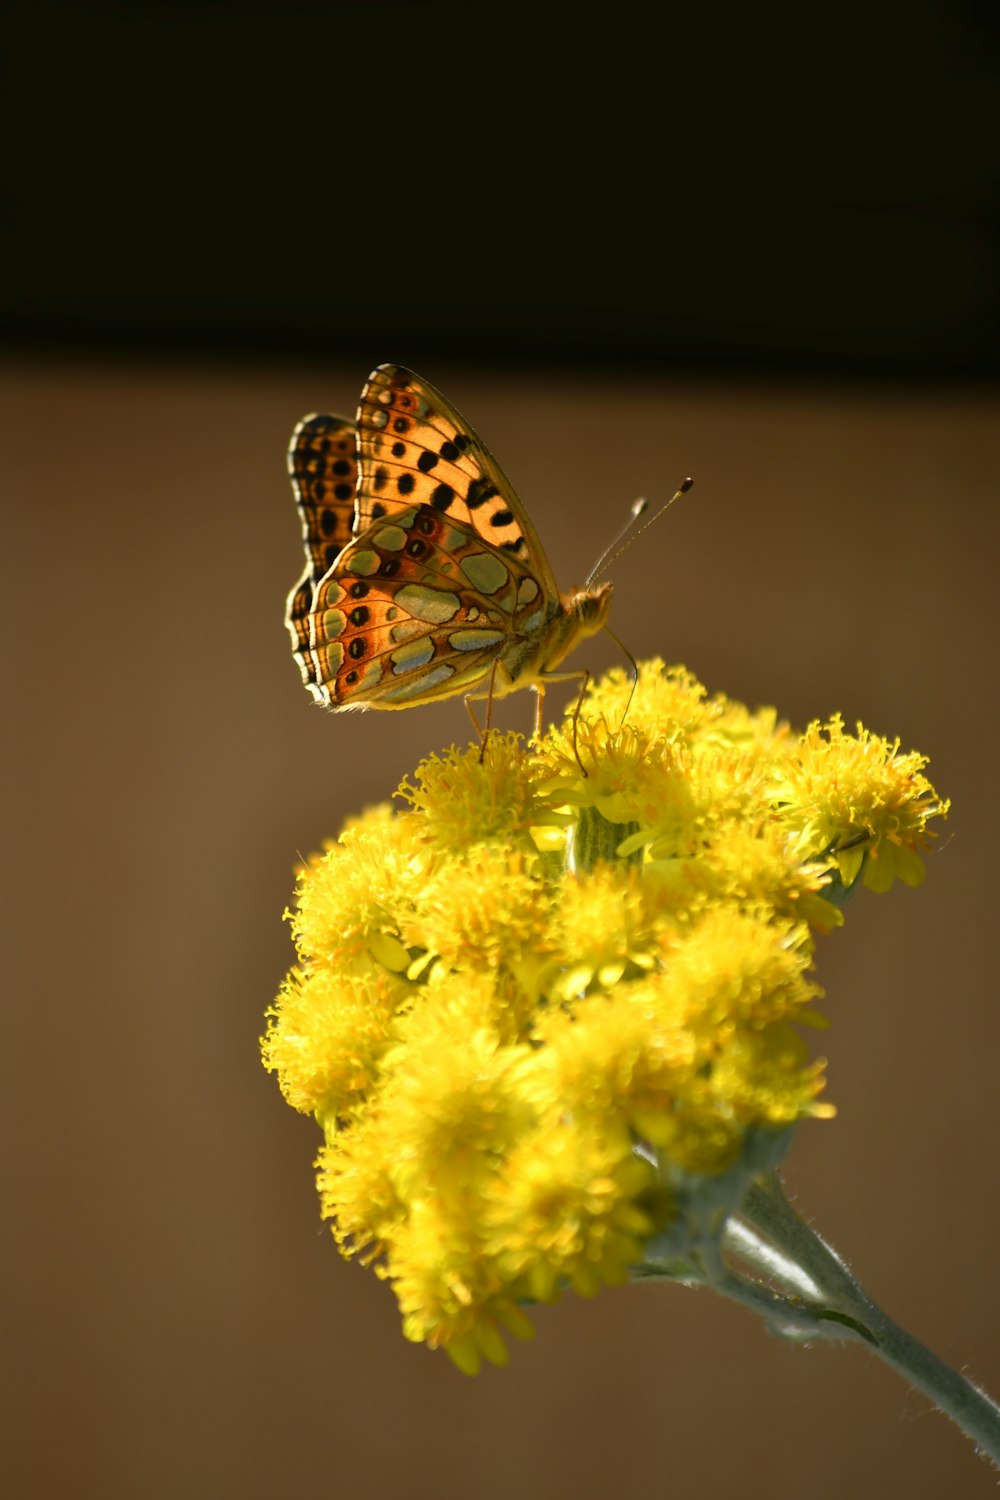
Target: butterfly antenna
x=617, y=547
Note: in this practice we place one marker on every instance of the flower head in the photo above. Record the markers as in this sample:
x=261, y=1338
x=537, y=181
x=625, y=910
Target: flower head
x=560, y=988
x=852, y=797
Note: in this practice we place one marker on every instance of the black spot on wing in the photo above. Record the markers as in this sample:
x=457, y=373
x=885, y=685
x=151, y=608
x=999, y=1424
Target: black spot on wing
x=479, y=491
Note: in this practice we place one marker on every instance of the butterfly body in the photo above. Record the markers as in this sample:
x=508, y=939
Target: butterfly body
x=424, y=577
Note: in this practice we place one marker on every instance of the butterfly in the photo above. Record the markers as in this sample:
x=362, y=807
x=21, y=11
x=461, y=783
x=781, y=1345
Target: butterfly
x=424, y=577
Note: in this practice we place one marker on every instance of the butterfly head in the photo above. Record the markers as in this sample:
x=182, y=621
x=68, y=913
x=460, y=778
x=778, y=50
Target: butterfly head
x=582, y=614
x=590, y=607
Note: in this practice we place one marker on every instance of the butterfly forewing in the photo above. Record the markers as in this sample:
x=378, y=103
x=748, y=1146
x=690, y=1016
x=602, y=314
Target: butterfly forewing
x=322, y=463
x=415, y=447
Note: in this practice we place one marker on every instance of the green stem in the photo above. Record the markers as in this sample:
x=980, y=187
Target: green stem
x=951, y=1392
x=803, y=1290
x=849, y=1307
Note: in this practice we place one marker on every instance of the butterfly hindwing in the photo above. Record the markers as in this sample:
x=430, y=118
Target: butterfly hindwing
x=415, y=608
x=323, y=464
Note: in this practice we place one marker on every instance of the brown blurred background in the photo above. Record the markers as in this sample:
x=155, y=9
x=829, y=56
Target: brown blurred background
x=758, y=256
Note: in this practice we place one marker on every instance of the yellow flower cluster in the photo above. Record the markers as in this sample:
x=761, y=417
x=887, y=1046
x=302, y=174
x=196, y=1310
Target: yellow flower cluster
x=561, y=987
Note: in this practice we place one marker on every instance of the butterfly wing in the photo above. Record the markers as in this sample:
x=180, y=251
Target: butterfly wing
x=417, y=608
x=444, y=578
x=415, y=448
x=323, y=464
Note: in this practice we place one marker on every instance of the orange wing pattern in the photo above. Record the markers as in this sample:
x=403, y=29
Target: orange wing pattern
x=416, y=449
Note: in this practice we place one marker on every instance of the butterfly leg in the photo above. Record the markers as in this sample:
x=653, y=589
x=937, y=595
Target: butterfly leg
x=583, y=677
x=539, y=690
x=483, y=733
